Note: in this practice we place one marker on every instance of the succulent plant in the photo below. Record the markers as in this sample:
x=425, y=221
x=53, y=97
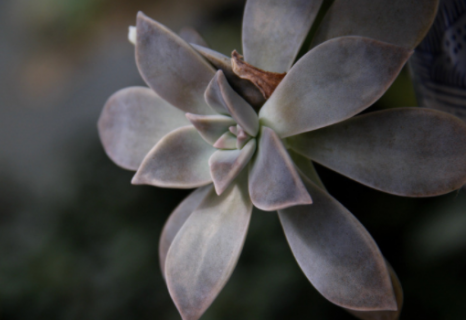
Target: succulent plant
x=244, y=132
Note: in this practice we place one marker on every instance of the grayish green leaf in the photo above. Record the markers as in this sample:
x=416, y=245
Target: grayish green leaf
x=226, y=141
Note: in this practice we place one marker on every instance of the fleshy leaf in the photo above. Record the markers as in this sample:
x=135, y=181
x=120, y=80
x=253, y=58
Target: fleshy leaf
x=399, y=22
x=191, y=36
x=245, y=88
x=241, y=137
x=205, y=251
x=337, y=254
x=171, y=67
x=384, y=315
x=273, y=31
x=176, y=220
x=274, y=182
x=211, y=127
x=179, y=160
x=221, y=97
x=226, y=165
x=133, y=120
x=306, y=167
x=331, y=83
x=411, y=152
x=226, y=141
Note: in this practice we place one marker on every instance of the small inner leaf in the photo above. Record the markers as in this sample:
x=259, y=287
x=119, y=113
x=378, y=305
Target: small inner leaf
x=225, y=165
x=264, y=80
x=210, y=128
x=226, y=141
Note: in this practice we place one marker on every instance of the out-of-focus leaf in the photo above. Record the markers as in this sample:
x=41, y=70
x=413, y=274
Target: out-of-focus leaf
x=412, y=152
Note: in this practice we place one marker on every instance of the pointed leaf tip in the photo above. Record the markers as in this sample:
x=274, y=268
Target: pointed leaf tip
x=337, y=254
x=179, y=160
x=222, y=98
x=171, y=67
x=211, y=128
x=274, y=182
x=226, y=165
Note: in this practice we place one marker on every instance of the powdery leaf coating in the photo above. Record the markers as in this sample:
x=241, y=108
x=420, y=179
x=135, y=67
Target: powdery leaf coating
x=179, y=160
x=273, y=31
x=245, y=88
x=191, y=36
x=274, y=182
x=186, y=74
x=411, y=152
x=337, y=254
x=331, y=83
x=400, y=22
x=206, y=249
x=133, y=120
x=226, y=165
x=384, y=315
x=226, y=141
x=212, y=127
x=306, y=167
x=176, y=220
x=221, y=96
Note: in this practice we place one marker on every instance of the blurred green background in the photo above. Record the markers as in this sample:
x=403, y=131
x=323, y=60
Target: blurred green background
x=78, y=241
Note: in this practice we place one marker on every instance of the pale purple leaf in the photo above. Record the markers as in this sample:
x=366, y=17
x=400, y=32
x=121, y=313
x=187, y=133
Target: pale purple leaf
x=273, y=31
x=226, y=165
x=179, y=160
x=205, y=250
x=413, y=152
x=274, y=182
x=176, y=220
x=133, y=120
x=211, y=128
x=191, y=36
x=223, y=98
x=399, y=22
x=171, y=67
x=244, y=87
x=331, y=83
x=337, y=254
x=384, y=315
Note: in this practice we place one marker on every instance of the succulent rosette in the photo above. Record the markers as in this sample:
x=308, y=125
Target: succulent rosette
x=244, y=132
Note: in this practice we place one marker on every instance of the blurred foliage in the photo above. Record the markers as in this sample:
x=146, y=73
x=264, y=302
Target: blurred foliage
x=92, y=252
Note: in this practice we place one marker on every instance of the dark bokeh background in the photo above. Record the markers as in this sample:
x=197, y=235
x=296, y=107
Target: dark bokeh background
x=78, y=241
